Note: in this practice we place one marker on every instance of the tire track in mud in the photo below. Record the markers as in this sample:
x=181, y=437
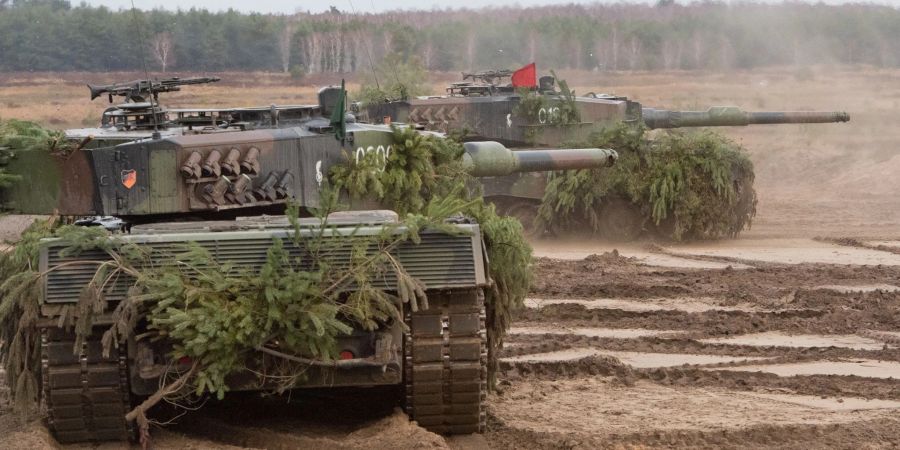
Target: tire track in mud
x=833, y=308
x=526, y=345
x=857, y=243
x=719, y=323
x=833, y=386
x=740, y=262
x=878, y=433
x=778, y=285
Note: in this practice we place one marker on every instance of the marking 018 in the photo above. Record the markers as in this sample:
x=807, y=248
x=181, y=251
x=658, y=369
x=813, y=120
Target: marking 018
x=548, y=114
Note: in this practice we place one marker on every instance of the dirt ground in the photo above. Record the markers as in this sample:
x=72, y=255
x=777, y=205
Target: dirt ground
x=787, y=337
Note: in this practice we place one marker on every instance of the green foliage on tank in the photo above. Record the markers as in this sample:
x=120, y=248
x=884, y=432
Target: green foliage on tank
x=18, y=136
x=424, y=170
x=684, y=185
x=20, y=300
x=29, y=169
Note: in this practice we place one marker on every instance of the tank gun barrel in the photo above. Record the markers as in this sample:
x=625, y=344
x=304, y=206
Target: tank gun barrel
x=729, y=116
x=489, y=159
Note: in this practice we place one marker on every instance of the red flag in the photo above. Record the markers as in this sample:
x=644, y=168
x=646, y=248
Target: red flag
x=525, y=77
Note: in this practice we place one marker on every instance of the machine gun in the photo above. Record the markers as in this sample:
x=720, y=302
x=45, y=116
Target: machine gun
x=491, y=77
x=139, y=90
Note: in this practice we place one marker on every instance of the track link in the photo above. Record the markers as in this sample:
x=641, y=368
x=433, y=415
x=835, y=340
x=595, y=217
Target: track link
x=445, y=366
x=86, y=395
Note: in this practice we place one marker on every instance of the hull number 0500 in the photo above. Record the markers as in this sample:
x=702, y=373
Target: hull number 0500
x=382, y=153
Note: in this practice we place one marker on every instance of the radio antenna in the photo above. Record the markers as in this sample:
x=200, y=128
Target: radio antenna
x=368, y=53
x=154, y=100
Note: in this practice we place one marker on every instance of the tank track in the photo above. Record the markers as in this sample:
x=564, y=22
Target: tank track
x=445, y=356
x=86, y=395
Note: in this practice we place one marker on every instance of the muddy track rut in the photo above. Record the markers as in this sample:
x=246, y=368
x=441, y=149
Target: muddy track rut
x=612, y=352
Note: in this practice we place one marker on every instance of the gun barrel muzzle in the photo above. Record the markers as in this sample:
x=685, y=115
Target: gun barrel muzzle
x=761, y=118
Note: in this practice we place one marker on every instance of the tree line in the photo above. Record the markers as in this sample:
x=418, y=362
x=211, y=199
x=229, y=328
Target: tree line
x=54, y=35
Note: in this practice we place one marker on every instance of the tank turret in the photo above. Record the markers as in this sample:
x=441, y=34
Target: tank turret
x=732, y=116
x=219, y=175
x=526, y=117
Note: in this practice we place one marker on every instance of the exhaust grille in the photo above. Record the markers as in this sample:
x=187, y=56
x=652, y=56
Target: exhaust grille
x=440, y=261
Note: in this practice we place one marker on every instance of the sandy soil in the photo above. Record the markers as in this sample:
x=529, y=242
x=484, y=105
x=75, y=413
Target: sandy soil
x=787, y=337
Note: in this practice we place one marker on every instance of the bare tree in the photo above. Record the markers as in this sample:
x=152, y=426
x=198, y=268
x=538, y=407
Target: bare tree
x=634, y=53
x=532, y=46
x=362, y=49
x=577, y=50
x=312, y=52
x=726, y=53
x=427, y=54
x=615, y=47
x=162, y=50
x=470, y=51
x=698, y=50
x=601, y=55
x=284, y=46
x=671, y=54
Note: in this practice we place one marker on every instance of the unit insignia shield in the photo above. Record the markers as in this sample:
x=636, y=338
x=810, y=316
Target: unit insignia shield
x=129, y=178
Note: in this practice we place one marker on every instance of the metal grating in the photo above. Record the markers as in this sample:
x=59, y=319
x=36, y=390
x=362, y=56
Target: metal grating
x=440, y=261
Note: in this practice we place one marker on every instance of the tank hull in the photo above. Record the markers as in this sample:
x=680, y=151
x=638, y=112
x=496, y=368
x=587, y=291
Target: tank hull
x=416, y=355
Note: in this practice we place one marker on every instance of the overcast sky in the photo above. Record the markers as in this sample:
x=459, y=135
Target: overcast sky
x=282, y=6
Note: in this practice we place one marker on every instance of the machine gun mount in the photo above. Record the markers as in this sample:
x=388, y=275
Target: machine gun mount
x=139, y=91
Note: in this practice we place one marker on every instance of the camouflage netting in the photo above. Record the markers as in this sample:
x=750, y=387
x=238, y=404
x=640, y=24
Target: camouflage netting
x=686, y=185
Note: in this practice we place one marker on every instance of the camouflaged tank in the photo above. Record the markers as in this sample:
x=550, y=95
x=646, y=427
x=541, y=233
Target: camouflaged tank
x=484, y=107
x=209, y=189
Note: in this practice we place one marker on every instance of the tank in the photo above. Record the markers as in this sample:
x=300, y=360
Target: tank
x=484, y=106
x=224, y=192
